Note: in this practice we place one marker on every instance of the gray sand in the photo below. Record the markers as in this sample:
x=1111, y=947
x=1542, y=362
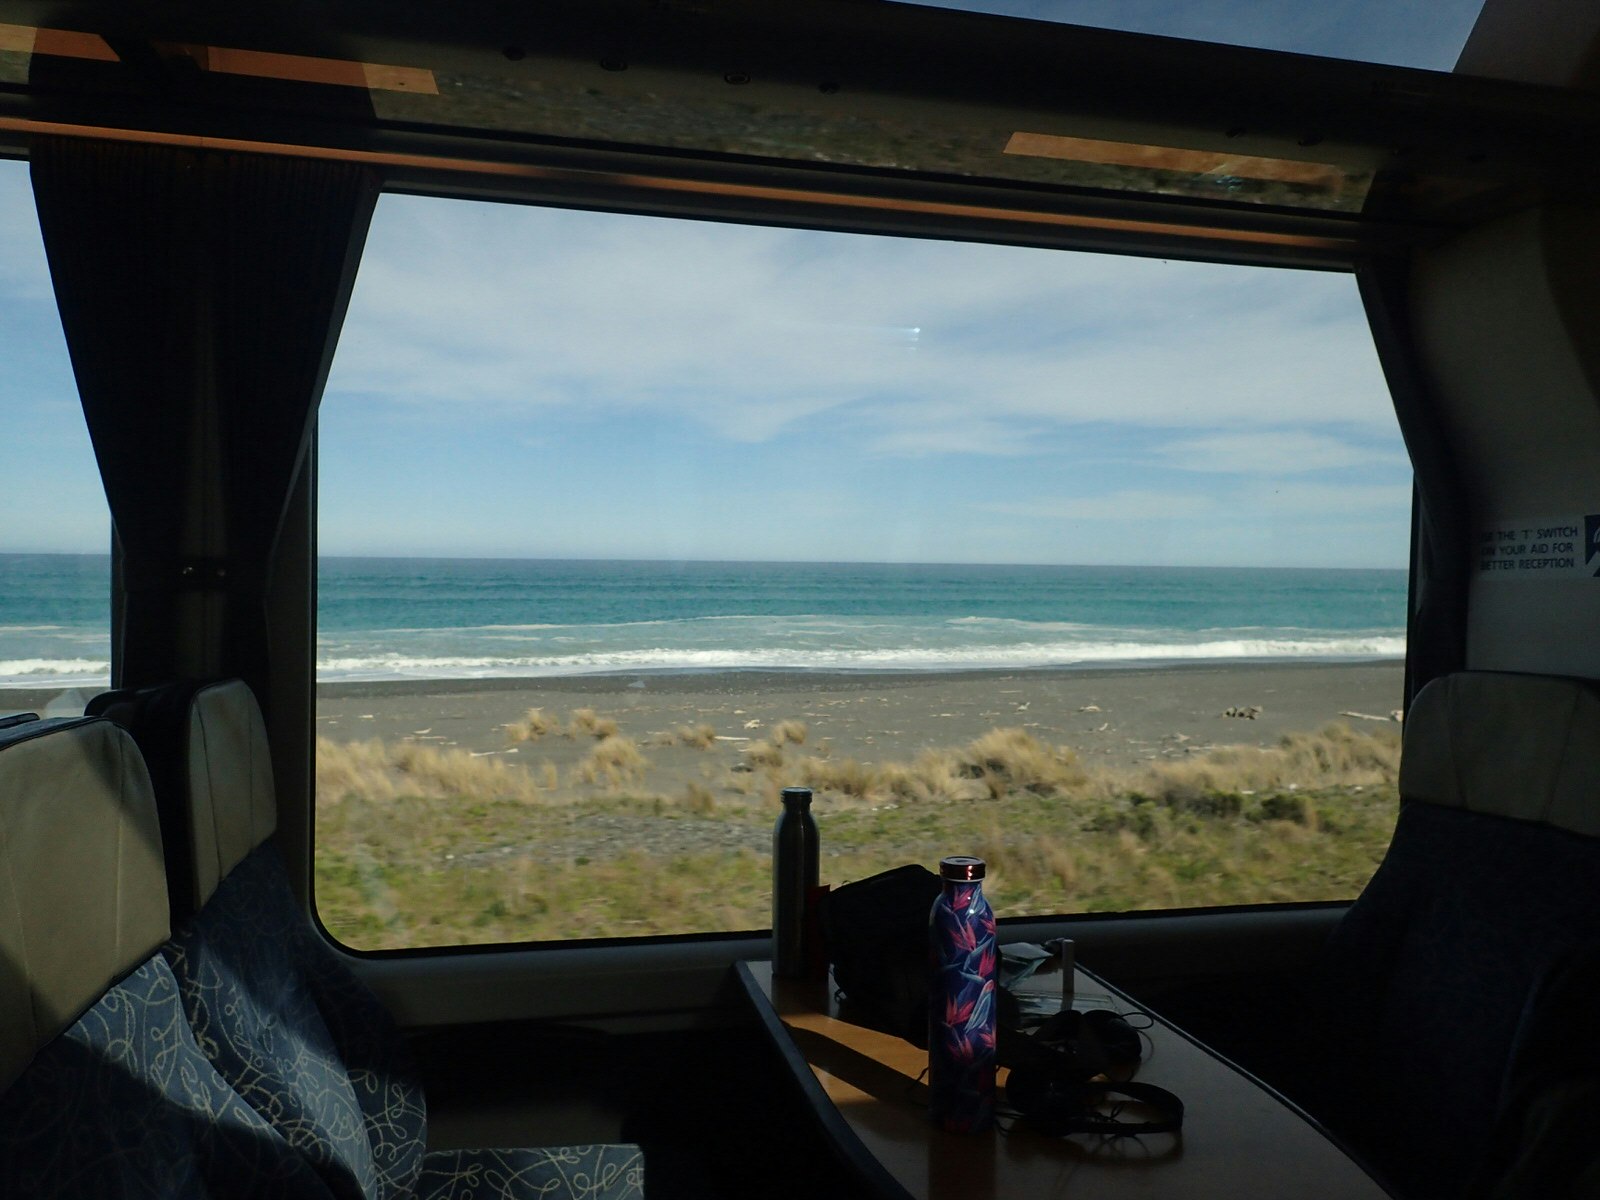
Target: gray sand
x=1111, y=717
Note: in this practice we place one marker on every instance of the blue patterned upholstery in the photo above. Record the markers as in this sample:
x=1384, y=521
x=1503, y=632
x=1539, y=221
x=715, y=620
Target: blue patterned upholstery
x=258, y=1014
x=1432, y=973
x=320, y=1058
x=575, y=1172
x=285, y=1022
x=124, y=1105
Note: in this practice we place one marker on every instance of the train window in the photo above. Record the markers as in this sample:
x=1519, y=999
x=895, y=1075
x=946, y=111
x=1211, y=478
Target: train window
x=1090, y=565
x=1429, y=36
x=54, y=565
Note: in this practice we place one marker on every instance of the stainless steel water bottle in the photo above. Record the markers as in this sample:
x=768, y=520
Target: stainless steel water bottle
x=794, y=876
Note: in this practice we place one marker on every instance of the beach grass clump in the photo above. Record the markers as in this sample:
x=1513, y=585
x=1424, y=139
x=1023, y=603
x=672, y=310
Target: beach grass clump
x=1013, y=760
x=764, y=754
x=701, y=736
x=378, y=770
x=839, y=776
x=615, y=760
x=354, y=769
x=785, y=732
x=532, y=725
x=444, y=771
x=585, y=722
x=1001, y=763
x=1336, y=757
x=698, y=799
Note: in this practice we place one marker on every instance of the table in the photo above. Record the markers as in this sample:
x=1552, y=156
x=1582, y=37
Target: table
x=1239, y=1140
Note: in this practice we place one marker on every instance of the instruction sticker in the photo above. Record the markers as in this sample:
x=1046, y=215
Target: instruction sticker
x=1554, y=548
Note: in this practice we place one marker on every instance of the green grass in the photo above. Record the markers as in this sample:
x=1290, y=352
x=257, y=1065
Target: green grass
x=421, y=852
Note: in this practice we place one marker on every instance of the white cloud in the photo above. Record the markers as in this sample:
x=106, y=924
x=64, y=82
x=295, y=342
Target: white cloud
x=1278, y=452
x=507, y=312
x=1127, y=505
x=1254, y=500
x=1331, y=500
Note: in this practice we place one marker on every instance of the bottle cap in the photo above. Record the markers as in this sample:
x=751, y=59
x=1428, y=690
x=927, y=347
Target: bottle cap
x=962, y=868
x=796, y=793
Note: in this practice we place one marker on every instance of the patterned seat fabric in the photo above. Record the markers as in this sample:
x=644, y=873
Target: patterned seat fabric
x=104, y=1092
x=580, y=1172
x=314, y=1052
x=309, y=1046
x=1436, y=971
x=123, y=1104
x=257, y=1016
x=260, y=1024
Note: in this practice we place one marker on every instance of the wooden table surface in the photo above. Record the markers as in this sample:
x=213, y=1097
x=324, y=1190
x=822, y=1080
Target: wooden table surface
x=1239, y=1140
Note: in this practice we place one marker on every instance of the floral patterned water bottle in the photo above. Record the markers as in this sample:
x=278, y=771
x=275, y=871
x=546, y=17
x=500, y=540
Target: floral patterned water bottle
x=962, y=952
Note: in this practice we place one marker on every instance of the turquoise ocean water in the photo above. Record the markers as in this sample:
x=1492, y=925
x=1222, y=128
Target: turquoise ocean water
x=473, y=618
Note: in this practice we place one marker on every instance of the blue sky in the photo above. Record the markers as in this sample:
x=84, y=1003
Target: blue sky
x=1405, y=33
x=528, y=382
x=520, y=381
x=514, y=381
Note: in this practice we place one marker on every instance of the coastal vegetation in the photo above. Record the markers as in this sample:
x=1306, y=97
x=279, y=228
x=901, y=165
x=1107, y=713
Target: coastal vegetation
x=419, y=845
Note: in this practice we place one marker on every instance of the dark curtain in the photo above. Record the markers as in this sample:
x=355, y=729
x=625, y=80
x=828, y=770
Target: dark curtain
x=201, y=294
x=1436, y=629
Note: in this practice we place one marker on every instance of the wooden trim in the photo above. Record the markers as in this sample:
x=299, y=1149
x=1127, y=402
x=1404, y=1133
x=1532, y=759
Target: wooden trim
x=723, y=190
x=856, y=1157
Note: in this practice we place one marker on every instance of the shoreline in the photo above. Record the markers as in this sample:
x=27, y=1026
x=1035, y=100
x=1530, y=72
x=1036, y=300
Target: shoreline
x=1112, y=716
x=1115, y=718
x=687, y=679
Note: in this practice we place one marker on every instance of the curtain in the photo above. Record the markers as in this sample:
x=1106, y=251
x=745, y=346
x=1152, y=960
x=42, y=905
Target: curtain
x=201, y=293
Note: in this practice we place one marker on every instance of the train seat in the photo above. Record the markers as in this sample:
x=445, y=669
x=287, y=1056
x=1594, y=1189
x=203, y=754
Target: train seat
x=280, y=1016
x=103, y=1088
x=1489, y=895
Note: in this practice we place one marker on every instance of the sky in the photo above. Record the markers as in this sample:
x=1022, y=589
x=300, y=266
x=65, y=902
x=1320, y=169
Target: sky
x=1404, y=33
x=524, y=382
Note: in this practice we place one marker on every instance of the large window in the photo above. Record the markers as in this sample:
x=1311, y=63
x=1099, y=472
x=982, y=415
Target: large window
x=54, y=535
x=1089, y=565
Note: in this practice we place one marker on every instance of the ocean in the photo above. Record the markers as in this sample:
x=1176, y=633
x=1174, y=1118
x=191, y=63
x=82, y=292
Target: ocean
x=475, y=618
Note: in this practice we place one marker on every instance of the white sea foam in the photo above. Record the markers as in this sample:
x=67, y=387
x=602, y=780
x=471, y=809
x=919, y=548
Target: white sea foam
x=398, y=666
x=54, y=672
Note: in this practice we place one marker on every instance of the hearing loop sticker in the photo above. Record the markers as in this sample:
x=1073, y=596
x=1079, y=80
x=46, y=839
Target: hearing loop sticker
x=1546, y=548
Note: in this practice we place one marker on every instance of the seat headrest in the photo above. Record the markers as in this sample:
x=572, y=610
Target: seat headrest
x=206, y=746
x=83, y=897
x=1521, y=746
x=233, y=807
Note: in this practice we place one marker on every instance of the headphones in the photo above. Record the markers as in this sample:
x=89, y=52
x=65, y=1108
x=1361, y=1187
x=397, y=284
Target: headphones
x=1053, y=1085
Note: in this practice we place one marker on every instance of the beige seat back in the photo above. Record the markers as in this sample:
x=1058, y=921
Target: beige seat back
x=83, y=896
x=1520, y=746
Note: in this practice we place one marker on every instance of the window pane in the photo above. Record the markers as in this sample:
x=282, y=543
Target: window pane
x=54, y=569
x=1091, y=565
x=1404, y=33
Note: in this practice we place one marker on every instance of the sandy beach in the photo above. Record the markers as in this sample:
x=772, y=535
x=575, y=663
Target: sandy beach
x=1112, y=718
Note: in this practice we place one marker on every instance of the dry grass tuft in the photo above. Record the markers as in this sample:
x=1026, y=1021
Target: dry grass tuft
x=354, y=769
x=1336, y=757
x=384, y=771
x=764, y=754
x=614, y=760
x=699, y=737
x=1013, y=760
x=533, y=726
x=789, y=731
x=585, y=722
x=697, y=798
